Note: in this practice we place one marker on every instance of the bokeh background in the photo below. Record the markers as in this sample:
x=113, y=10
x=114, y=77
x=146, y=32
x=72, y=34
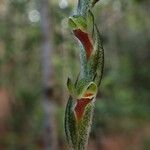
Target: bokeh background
x=37, y=54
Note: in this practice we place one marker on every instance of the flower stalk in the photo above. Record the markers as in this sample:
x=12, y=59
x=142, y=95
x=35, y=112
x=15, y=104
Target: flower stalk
x=80, y=106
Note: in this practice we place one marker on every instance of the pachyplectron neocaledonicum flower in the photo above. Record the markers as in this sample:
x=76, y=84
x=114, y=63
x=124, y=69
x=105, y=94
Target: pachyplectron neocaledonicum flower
x=79, y=109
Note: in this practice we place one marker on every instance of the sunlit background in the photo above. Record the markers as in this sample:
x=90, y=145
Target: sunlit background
x=37, y=55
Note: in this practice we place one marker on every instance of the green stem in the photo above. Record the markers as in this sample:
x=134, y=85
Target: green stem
x=83, y=7
x=80, y=106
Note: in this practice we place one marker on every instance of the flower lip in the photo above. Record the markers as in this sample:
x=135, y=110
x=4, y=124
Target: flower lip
x=85, y=40
x=80, y=107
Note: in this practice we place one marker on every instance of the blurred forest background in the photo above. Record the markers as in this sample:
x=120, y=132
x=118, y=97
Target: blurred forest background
x=37, y=54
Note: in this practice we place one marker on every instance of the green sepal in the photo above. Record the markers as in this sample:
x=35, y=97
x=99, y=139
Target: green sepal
x=95, y=64
x=71, y=24
x=71, y=87
x=92, y=87
x=81, y=87
x=70, y=124
x=77, y=22
x=90, y=22
x=86, y=87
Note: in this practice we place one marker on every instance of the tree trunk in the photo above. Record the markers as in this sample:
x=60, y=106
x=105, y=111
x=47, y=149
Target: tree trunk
x=50, y=138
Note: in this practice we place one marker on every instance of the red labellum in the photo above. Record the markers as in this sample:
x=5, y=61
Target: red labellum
x=85, y=40
x=79, y=108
